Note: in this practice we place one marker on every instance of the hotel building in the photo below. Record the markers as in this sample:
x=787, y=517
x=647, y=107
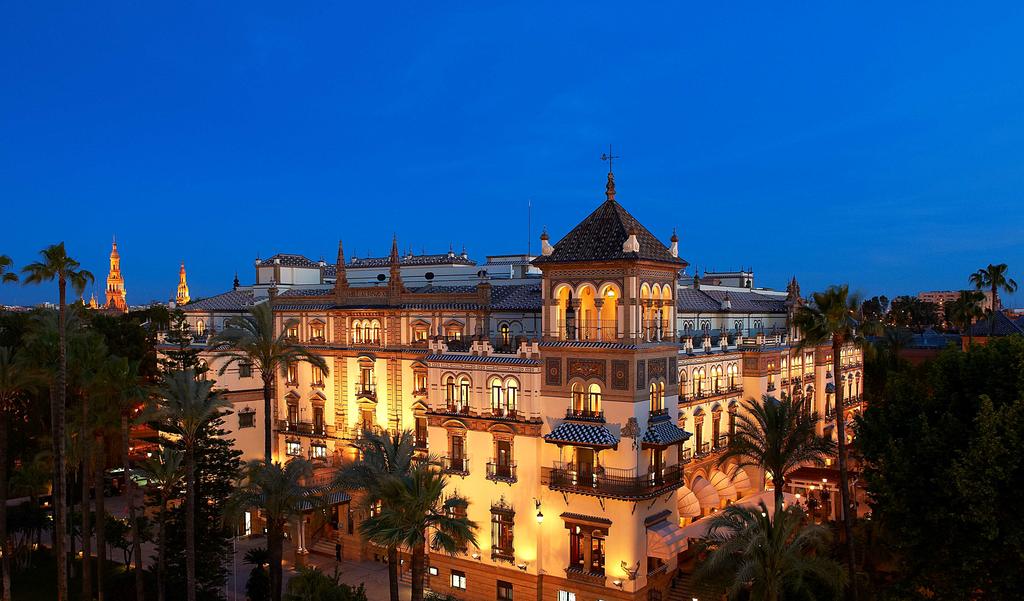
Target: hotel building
x=580, y=399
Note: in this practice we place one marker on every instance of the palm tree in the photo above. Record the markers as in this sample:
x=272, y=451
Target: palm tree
x=382, y=455
x=769, y=558
x=6, y=275
x=777, y=436
x=163, y=473
x=16, y=379
x=123, y=389
x=994, y=278
x=187, y=406
x=56, y=264
x=835, y=317
x=252, y=339
x=965, y=310
x=417, y=513
x=279, y=491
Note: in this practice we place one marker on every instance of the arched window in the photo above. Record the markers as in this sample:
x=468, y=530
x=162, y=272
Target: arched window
x=375, y=332
x=657, y=398
x=732, y=371
x=512, y=394
x=594, y=399
x=698, y=381
x=496, y=395
x=200, y=328
x=449, y=387
x=579, y=401
x=716, y=378
x=464, y=385
x=505, y=335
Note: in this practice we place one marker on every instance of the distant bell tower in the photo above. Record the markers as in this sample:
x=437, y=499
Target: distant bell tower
x=183, y=296
x=115, y=283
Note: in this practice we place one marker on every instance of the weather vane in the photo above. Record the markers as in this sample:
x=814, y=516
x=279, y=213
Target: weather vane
x=609, y=157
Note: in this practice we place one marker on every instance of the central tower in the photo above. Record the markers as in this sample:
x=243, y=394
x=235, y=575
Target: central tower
x=116, y=299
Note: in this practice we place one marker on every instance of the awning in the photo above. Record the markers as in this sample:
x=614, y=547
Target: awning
x=705, y=493
x=740, y=480
x=587, y=435
x=689, y=506
x=665, y=540
x=664, y=433
x=723, y=485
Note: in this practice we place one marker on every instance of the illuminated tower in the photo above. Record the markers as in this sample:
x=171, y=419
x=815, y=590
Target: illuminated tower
x=183, y=297
x=115, y=283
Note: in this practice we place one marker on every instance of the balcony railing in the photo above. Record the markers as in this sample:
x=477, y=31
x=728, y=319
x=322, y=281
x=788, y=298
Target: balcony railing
x=589, y=415
x=704, y=449
x=580, y=575
x=655, y=331
x=456, y=407
x=721, y=442
x=505, y=555
x=658, y=412
x=366, y=390
x=686, y=455
x=505, y=412
x=455, y=465
x=420, y=392
x=305, y=428
x=501, y=472
x=593, y=330
x=609, y=482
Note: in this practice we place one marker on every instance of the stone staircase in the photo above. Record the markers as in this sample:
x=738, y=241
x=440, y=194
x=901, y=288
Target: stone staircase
x=323, y=546
x=686, y=589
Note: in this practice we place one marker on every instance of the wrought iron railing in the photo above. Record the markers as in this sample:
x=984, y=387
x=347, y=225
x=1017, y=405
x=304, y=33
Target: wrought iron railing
x=455, y=465
x=609, y=482
x=501, y=472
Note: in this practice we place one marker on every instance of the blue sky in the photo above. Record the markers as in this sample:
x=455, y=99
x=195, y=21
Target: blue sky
x=878, y=144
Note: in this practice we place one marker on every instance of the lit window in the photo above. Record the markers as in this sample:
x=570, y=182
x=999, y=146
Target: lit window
x=566, y=596
x=293, y=448
x=433, y=571
x=319, y=451
x=200, y=327
x=318, y=376
x=458, y=579
x=293, y=373
x=293, y=332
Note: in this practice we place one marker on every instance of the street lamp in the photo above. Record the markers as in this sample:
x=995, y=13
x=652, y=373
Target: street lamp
x=540, y=515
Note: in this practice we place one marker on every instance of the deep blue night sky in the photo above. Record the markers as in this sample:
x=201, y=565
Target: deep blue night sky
x=876, y=144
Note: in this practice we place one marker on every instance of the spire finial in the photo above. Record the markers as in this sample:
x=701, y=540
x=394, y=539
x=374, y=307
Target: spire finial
x=609, y=189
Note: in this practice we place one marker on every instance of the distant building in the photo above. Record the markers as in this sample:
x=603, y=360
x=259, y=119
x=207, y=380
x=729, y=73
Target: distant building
x=182, y=297
x=115, y=283
x=941, y=297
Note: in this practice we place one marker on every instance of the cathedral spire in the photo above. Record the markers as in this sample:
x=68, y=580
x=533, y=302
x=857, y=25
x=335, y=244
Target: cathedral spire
x=182, y=297
x=396, y=266
x=116, y=297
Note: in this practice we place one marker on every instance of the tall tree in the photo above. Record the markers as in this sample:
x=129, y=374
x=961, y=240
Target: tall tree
x=957, y=420
x=416, y=514
x=777, y=436
x=124, y=392
x=187, y=406
x=280, y=492
x=964, y=311
x=383, y=455
x=163, y=473
x=6, y=275
x=834, y=317
x=764, y=556
x=17, y=380
x=993, y=277
x=57, y=265
x=253, y=339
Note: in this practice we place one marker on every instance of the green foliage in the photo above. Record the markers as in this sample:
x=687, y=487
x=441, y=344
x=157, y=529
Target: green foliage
x=912, y=312
x=217, y=468
x=875, y=308
x=257, y=587
x=182, y=356
x=762, y=557
x=311, y=584
x=945, y=470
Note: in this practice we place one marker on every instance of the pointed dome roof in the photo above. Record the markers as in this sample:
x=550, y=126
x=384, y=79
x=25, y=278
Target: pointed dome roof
x=601, y=235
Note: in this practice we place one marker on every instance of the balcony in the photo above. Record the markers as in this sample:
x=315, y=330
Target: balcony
x=721, y=442
x=455, y=465
x=658, y=412
x=590, y=331
x=505, y=555
x=300, y=428
x=588, y=415
x=366, y=390
x=420, y=393
x=510, y=413
x=686, y=455
x=501, y=472
x=580, y=575
x=707, y=395
x=453, y=407
x=656, y=331
x=613, y=483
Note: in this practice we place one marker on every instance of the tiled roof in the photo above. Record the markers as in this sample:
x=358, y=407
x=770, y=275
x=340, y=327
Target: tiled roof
x=1004, y=326
x=499, y=359
x=663, y=433
x=522, y=297
x=601, y=235
x=618, y=346
x=439, y=259
x=432, y=289
x=290, y=260
x=591, y=435
x=307, y=291
x=233, y=300
x=691, y=300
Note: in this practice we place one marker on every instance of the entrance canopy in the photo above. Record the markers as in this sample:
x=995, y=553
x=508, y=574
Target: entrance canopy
x=665, y=540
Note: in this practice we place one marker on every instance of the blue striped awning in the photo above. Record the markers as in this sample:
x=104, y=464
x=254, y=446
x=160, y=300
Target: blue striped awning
x=588, y=435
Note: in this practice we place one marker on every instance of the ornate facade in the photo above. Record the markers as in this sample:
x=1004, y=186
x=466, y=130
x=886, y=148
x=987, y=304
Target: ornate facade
x=580, y=399
x=116, y=298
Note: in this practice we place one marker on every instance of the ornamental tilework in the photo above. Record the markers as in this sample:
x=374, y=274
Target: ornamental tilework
x=641, y=374
x=620, y=374
x=553, y=371
x=587, y=368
